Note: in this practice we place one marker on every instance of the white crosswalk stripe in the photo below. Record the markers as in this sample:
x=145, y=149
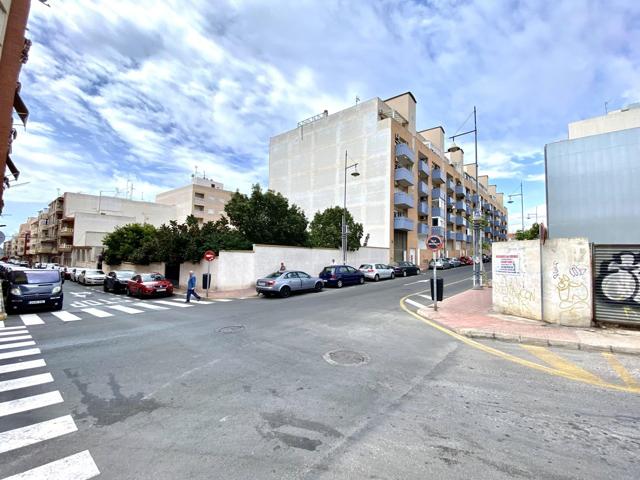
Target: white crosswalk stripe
x=8, y=346
x=74, y=467
x=31, y=319
x=223, y=299
x=17, y=367
x=66, y=316
x=25, y=382
x=173, y=304
x=20, y=353
x=13, y=339
x=12, y=331
x=96, y=312
x=30, y=403
x=415, y=304
x=124, y=309
x=36, y=433
x=150, y=306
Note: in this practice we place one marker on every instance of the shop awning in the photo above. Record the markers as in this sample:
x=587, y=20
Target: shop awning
x=21, y=108
x=12, y=168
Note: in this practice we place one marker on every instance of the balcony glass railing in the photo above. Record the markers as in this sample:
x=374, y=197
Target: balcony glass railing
x=437, y=231
x=423, y=189
x=450, y=218
x=404, y=152
x=460, y=205
x=423, y=229
x=423, y=208
x=438, y=193
x=460, y=236
x=423, y=168
x=437, y=176
x=437, y=212
x=402, y=223
x=461, y=221
x=451, y=185
x=403, y=176
x=403, y=199
x=460, y=191
x=451, y=235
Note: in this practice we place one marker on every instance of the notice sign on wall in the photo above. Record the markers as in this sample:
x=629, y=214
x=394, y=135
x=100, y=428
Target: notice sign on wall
x=507, y=264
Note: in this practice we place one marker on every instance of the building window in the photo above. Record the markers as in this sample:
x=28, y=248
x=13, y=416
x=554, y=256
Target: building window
x=198, y=208
x=199, y=195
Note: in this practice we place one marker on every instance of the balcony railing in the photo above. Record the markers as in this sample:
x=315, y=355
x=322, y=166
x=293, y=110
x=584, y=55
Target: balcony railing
x=460, y=191
x=450, y=218
x=475, y=198
x=65, y=247
x=403, y=176
x=423, y=189
x=437, y=231
x=461, y=221
x=451, y=186
x=450, y=201
x=65, y=232
x=460, y=236
x=437, y=176
x=460, y=205
x=437, y=212
x=487, y=229
x=402, y=223
x=404, y=152
x=423, y=168
x=423, y=229
x=439, y=193
x=44, y=249
x=423, y=208
x=451, y=235
x=403, y=199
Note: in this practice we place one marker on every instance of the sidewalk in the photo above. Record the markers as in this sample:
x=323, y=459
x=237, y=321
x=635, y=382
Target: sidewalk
x=215, y=294
x=470, y=314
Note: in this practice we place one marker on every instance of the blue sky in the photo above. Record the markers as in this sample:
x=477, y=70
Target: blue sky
x=145, y=91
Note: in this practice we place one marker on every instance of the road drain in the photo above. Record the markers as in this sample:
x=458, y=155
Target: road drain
x=231, y=329
x=346, y=358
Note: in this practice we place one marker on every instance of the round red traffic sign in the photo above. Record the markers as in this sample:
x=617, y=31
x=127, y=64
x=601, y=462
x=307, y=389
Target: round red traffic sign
x=435, y=243
x=209, y=255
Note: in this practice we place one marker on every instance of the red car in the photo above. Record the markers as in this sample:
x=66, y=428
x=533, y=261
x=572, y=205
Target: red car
x=149, y=285
x=466, y=260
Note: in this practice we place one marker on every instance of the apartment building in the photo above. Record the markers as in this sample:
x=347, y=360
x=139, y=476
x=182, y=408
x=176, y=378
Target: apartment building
x=408, y=186
x=203, y=198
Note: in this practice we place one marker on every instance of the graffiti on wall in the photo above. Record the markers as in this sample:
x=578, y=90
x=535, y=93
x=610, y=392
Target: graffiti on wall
x=618, y=280
x=573, y=292
x=514, y=296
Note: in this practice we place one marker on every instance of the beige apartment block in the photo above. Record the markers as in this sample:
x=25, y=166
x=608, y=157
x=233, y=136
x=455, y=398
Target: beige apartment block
x=408, y=187
x=614, y=121
x=203, y=198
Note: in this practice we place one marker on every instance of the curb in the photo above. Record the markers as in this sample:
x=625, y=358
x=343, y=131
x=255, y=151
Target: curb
x=535, y=341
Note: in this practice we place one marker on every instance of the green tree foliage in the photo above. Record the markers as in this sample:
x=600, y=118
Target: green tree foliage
x=267, y=217
x=531, y=234
x=131, y=243
x=325, y=230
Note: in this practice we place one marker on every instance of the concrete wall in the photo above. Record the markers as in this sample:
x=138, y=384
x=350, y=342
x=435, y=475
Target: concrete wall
x=152, y=267
x=612, y=122
x=516, y=278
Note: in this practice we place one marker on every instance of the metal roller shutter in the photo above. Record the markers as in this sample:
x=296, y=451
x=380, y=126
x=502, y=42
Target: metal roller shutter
x=617, y=283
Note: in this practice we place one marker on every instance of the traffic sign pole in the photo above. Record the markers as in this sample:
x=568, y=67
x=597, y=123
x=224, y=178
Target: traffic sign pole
x=209, y=256
x=208, y=277
x=435, y=284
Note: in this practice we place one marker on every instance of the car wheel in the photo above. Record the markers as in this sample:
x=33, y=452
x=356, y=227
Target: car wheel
x=404, y=273
x=58, y=307
x=318, y=287
x=127, y=291
x=339, y=284
x=393, y=275
x=418, y=272
x=376, y=278
x=285, y=292
x=362, y=280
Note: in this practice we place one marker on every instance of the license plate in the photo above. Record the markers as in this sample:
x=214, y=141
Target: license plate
x=261, y=283
x=161, y=290
x=36, y=302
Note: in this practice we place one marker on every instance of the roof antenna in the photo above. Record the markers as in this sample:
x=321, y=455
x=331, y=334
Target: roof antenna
x=606, y=109
x=357, y=99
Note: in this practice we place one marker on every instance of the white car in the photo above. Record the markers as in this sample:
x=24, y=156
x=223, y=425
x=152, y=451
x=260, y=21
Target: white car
x=75, y=273
x=91, y=277
x=377, y=271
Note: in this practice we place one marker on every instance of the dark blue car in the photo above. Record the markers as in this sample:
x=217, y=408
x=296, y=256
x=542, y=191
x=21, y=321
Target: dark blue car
x=339, y=275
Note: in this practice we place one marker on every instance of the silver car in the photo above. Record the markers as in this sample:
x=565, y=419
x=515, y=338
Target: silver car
x=441, y=263
x=454, y=262
x=91, y=277
x=376, y=271
x=283, y=283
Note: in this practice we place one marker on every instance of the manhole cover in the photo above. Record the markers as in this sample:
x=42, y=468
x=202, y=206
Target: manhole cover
x=346, y=358
x=231, y=329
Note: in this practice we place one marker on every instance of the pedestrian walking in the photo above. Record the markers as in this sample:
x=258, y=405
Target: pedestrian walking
x=282, y=267
x=191, y=287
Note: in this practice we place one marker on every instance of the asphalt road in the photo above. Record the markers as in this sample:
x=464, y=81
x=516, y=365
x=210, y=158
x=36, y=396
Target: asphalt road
x=251, y=389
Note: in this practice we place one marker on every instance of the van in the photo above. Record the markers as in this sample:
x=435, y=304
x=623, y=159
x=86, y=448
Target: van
x=26, y=289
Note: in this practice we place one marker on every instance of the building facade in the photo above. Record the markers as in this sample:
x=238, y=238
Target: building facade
x=582, y=200
x=407, y=189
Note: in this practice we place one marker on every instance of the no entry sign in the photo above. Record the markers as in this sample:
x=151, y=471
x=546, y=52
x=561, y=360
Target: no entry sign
x=209, y=255
x=435, y=243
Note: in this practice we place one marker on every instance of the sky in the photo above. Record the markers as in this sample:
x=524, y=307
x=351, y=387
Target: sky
x=140, y=93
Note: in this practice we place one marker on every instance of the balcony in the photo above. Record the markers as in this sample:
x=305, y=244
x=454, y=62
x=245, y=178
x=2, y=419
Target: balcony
x=404, y=152
x=44, y=249
x=451, y=186
x=437, y=176
x=487, y=229
x=468, y=238
x=496, y=223
x=437, y=231
x=468, y=210
x=460, y=237
x=423, y=189
x=65, y=247
x=423, y=229
x=450, y=218
x=423, y=208
x=404, y=177
x=47, y=239
x=475, y=198
x=461, y=221
x=460, y=191
x=423, y=168
x=460, y=205
x=198, y=201
x=402, y=223
x=450, y=201
x=65, y=232
x=402, y=199
x=438, y=193
x=437, y=212
x=451, y=235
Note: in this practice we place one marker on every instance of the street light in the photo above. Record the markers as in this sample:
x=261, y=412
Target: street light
x=477, y=216
x=355, y=173
x=521, y=195
x=531, y=215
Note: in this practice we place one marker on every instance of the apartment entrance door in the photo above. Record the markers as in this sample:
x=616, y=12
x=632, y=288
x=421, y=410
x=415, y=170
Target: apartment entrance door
x=399, y=245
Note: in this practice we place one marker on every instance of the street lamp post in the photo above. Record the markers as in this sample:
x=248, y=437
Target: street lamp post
x=530, y=215
x=344, y=209
x=521, y=195
x=477, y=215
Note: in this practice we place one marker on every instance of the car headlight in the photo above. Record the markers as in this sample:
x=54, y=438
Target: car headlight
x=56, y=289
x=16, y=291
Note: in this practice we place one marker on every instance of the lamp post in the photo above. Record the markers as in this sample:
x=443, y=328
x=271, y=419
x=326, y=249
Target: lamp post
x=521, y=195
x=344, y=210
x=531, y=215
x=477, y=215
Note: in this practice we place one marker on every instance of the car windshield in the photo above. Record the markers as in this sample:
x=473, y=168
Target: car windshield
x=22, y=277
x=125, y=274
x=364, y=265
x=274, y=275
x=94, y=272
x=152, y=277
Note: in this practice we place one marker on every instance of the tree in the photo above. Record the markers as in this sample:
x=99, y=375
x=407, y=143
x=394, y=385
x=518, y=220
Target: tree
x=267, y=217
x=134, y=243
x=325, y=230
x=531, y=234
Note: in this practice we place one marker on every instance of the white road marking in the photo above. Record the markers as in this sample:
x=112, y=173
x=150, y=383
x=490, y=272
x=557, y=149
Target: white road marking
x=16, y=367
x=96, y=312
x=415, y=304
x=222, y=299
x=6, y=329
x=12, y=339
x=7, y=346
x=20, y=353
x=38, y=432
x=177, y=299
x=173, y=304
x=149, y=305
x=31, y=319
x=75, y=467
x=25, y=382
x=428, y=297
x=30, y=403
x=413, y=283
x=124, y=309
x=66, y=316
x=1, y=323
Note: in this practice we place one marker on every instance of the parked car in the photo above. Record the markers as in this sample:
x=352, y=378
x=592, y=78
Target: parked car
x=486, y=258
x=75, y=273
x=30, y=288
x=465, y=260
x=117, y=280
x=149, y=285
x=376, y=271
x=284, y=283
x=439, y=263
x=340, y=275
x=454, y=262
x=91, y=277
x=402, y=269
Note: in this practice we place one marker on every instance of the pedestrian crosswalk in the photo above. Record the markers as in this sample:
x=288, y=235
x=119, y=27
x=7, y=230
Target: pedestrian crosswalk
x=19, y=383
